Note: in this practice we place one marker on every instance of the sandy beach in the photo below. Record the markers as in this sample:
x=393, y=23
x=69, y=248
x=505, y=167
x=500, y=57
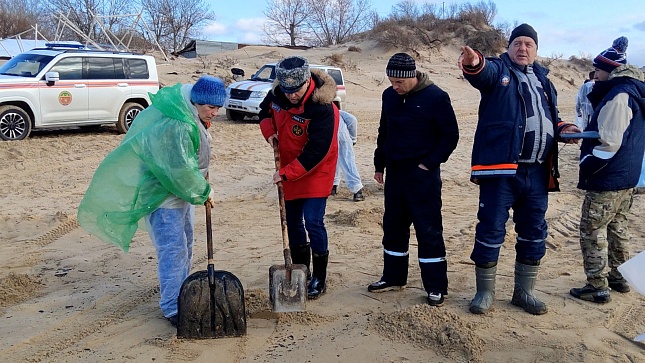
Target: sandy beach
x=66, y=296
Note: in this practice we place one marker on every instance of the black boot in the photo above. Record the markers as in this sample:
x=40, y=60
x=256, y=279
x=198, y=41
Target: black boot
x=317, y=284
x=302, y=255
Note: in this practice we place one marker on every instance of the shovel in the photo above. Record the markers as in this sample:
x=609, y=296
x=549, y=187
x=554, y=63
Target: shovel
x=211, y=303
x=288, y=282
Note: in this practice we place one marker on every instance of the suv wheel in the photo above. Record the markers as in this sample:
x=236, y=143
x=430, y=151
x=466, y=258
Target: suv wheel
x=128, y=112
x=15, y=123
x=234, y=115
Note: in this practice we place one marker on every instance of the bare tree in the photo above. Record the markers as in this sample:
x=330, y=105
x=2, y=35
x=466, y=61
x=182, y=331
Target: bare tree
x=155, y=14
x=406, y=10
x=337, y=21
x=285, y=17
x=174, y=22
x=83, y=15
x=482, y=12
x=17, y=16
x=432, y=11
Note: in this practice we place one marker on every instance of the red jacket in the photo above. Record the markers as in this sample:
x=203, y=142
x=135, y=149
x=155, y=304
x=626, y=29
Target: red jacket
x=307, y=137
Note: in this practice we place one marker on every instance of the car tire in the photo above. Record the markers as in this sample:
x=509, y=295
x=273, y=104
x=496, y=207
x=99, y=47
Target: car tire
x=234, y=115
x=15, y=123
x=128, y=112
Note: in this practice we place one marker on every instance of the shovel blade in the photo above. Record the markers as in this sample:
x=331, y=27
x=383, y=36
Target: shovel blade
x=288, y=295
x=211, y=310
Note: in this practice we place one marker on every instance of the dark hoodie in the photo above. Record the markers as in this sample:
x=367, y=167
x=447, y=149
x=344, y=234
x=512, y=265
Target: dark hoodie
x=418, y=127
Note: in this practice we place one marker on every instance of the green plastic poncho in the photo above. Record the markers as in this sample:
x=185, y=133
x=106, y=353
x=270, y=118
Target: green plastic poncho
x=157, y=157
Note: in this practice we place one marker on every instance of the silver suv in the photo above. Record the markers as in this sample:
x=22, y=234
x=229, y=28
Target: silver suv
x=65, y=85
x=244, y=97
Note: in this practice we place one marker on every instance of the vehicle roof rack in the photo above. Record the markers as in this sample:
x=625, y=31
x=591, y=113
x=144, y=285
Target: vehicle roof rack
x=65, y=45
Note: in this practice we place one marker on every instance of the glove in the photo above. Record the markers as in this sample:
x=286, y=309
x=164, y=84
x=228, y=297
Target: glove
x=211, y=198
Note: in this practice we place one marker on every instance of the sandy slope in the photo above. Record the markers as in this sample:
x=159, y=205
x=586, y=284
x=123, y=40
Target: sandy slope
x=67, y=297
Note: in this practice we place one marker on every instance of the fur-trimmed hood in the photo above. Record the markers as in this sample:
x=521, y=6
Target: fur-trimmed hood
x=325, y=91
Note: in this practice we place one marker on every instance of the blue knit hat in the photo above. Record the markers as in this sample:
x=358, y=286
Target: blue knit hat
x=208, y=90
x=612, y=58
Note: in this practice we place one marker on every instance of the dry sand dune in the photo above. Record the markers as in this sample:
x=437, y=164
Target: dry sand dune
x=67, y=297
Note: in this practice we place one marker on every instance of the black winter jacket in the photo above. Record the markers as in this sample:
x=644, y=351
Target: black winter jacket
x=419, y=127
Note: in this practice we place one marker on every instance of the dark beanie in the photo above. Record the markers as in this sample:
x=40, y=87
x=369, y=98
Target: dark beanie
x=523, y=30
x=401, y=65
x=613, y=57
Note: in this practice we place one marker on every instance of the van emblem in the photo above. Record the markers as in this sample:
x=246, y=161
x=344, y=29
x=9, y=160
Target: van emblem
x=65, y=98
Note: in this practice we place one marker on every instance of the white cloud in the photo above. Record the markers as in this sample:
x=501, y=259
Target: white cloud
x=640, y=26
x=215, y=28
x=253, y=25
x=247, y=30
x=251, y=38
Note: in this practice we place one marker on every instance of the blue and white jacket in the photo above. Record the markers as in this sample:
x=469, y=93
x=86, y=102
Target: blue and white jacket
x=614, y=161
x=499, y=137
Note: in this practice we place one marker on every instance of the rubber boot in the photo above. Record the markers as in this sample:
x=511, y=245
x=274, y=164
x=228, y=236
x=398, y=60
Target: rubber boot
x=483, y=300
x=317, y=286
x=302, y=255
x=525, y=276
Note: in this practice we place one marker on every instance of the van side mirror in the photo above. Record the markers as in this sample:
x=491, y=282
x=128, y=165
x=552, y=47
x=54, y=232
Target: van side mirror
x=237, y=73
x=52, y=78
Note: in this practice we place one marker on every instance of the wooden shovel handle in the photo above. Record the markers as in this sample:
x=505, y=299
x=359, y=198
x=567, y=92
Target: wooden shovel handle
x=209, y=233
x=283, y=215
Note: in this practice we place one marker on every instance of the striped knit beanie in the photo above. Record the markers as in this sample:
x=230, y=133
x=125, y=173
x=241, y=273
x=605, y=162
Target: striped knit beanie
x=401, y=65
x=611, y=58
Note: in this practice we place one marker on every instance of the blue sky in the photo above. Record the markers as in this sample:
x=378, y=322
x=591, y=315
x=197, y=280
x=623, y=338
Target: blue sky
x=567, y=27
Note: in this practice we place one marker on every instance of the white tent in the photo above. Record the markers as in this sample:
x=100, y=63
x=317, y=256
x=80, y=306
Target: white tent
x=12, y=47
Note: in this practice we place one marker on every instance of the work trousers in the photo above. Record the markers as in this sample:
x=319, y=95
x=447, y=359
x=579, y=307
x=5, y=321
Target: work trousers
x=527, y=194
x=413, y=197
x=604, y=237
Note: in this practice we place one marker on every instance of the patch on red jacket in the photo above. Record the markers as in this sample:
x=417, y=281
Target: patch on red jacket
x=297, y=130
x=299, y=119
x=275, y=107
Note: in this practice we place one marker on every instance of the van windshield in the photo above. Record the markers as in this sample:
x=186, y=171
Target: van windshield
x=25, y=65
x=265, y=74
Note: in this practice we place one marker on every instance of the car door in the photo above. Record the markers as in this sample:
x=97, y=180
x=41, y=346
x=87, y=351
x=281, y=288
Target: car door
x=341, y=92
x=66, y=101
x=108, y=88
